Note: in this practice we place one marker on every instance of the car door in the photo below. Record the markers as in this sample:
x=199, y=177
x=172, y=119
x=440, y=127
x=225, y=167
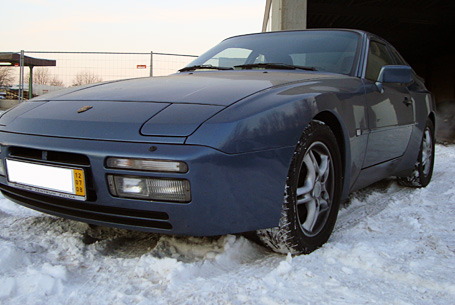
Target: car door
x=390, y=110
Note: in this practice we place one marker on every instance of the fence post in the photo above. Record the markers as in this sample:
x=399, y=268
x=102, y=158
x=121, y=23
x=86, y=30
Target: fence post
x=30, y=83
x=21, y=77
x=151, y=63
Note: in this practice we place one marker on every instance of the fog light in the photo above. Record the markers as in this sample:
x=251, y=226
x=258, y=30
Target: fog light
x=147, y=165
x=158, y=189
x=133, y=187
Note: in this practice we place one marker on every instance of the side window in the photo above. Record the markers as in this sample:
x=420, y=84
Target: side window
x=378, y=56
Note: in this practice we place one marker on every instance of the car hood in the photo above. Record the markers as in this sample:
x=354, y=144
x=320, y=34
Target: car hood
x=220, y=88
x=131, y=110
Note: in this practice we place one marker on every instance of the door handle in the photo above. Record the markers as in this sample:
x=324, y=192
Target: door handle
x=407, y=101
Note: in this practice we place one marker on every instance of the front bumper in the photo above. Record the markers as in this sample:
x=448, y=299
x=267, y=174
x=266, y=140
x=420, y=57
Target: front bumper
x=229, y=193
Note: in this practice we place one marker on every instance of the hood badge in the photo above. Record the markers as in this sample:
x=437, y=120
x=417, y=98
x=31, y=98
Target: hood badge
x=84, y=109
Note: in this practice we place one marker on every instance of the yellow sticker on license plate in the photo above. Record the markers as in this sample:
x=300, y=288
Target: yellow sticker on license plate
x=79, y=182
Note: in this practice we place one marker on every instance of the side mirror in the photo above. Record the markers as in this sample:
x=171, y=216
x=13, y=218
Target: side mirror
x=394, y=74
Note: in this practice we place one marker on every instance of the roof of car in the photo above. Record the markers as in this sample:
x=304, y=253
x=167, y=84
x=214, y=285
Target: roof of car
x=307, y=30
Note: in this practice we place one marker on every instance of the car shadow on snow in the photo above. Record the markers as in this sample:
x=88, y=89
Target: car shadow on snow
x=367, y=202
x=118, y=242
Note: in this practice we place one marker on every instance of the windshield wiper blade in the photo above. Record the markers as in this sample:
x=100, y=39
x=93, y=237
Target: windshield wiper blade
x=209, y=67
x=275, y=66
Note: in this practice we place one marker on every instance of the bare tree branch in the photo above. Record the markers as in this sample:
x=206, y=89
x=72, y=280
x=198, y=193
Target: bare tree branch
x=86, y=77
x=41, y=76
x=6, y=76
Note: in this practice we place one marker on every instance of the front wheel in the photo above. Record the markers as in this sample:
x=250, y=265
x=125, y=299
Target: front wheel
x=312, y=194
x=423, y=168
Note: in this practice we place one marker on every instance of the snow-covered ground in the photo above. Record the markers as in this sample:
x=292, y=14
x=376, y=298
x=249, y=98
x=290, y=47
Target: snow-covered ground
x=391, y=245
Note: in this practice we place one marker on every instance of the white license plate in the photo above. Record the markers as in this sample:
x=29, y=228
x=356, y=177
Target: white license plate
x=47, y=179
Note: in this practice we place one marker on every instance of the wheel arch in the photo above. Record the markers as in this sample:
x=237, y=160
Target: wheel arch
x=332, y=120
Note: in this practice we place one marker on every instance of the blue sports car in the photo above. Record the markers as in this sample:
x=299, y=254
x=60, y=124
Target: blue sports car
x=263, y=133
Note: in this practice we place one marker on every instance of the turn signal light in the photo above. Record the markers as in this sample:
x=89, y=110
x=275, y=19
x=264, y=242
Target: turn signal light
x=147, y=165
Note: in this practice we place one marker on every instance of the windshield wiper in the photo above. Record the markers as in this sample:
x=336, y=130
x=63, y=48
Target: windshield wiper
x=275, y=66
x=207, y=67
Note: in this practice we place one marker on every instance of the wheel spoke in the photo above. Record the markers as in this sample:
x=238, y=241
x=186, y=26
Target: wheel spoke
x=315, y=210
x=323, y=168
x=305, y=198
x=310, y=178
x=323, y=206
x=324, y=192
x=312, y=216
x=313, y=159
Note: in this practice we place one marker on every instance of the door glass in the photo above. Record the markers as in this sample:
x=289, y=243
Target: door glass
x=378, y=56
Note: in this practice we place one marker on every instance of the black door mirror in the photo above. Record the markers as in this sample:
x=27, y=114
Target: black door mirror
x=397, y=74
x=394, y=74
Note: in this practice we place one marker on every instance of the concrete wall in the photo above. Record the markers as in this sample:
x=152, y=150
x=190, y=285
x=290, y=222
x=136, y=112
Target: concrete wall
x=288, y=15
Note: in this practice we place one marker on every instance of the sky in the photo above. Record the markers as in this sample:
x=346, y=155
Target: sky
x=170, y=26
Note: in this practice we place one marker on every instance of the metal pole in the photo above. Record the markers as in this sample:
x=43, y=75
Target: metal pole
x=151, y=63
x=30, y=84
x=21, y=77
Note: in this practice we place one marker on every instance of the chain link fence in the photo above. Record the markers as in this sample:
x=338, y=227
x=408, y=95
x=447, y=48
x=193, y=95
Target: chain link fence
x=79, y=68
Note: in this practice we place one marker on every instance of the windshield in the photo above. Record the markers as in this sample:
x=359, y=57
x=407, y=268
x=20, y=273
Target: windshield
x=332, y=51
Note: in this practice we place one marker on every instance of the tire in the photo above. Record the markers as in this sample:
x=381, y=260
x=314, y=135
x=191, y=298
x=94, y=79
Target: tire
x=312, y=194
x=423, y=168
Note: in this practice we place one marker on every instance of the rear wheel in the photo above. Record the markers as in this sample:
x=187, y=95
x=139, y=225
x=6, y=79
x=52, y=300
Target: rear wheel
x=423, y=168
x=312, y=194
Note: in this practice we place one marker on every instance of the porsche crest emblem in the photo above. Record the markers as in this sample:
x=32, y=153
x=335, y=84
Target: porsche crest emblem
x=84, y=109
